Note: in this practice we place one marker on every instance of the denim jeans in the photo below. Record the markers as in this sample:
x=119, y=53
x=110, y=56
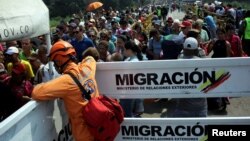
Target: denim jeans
x=132, y=107
x=127, y=105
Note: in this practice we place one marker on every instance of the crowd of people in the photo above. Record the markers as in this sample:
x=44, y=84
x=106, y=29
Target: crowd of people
x=109, y=35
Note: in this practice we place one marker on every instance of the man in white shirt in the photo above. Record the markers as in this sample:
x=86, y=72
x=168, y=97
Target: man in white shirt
x=231, y=11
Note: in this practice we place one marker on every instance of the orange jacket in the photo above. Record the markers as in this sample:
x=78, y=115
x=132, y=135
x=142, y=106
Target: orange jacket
x=64, y=87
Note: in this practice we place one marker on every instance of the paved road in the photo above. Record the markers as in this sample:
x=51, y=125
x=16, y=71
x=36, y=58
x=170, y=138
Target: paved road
x=238, y=107
x=176, y=15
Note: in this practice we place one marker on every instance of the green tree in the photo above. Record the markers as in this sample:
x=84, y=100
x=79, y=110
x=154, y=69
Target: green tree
x=65, y=8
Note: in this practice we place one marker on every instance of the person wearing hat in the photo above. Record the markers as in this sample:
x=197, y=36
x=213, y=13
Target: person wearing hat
x=189, y=107
x=168, y=26
x=219, y=9
x=185, y=27
x=203, y=33
x=103, y=23
x=92, y=21
x=63, y=55
x=202, y=53
x=176, y=26
x=157, y=26
x=13, y=56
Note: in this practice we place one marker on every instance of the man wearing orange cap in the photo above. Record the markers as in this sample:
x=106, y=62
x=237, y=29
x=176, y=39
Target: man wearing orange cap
x=63, y=55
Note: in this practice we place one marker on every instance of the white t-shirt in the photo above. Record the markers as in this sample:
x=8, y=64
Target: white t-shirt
x=232, y=12
x=44, y=74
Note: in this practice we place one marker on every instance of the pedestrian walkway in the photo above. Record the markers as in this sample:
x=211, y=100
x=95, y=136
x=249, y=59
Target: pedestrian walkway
x=176, y=15
x=238, y=107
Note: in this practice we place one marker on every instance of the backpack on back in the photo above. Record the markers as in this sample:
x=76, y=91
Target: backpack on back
x=103, y=115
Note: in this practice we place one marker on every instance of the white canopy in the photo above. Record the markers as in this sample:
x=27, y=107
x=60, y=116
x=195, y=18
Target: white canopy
x=23, y=18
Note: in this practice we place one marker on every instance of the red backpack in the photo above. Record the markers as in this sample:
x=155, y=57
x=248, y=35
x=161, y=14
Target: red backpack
x=102, y=114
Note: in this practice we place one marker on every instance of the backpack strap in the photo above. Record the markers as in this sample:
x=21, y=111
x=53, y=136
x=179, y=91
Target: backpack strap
x=85, y=94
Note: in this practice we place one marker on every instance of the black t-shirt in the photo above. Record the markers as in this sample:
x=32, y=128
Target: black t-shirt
x=220, y=49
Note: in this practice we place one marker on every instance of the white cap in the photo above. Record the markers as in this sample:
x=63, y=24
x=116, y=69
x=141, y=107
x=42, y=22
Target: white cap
x=217, y=2
x=12, y=50
x=157, y=22
x=92, y=20
x=103, y=18
x=190, y=44
x=177, y=21
x=212, y=5
x=137, y=42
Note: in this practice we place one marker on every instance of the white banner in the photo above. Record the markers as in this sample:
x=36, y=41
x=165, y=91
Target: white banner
x=26, y=18
x=175, y=78
x=172, y=129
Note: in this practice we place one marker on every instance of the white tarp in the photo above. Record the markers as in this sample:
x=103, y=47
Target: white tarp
x=23, y=18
